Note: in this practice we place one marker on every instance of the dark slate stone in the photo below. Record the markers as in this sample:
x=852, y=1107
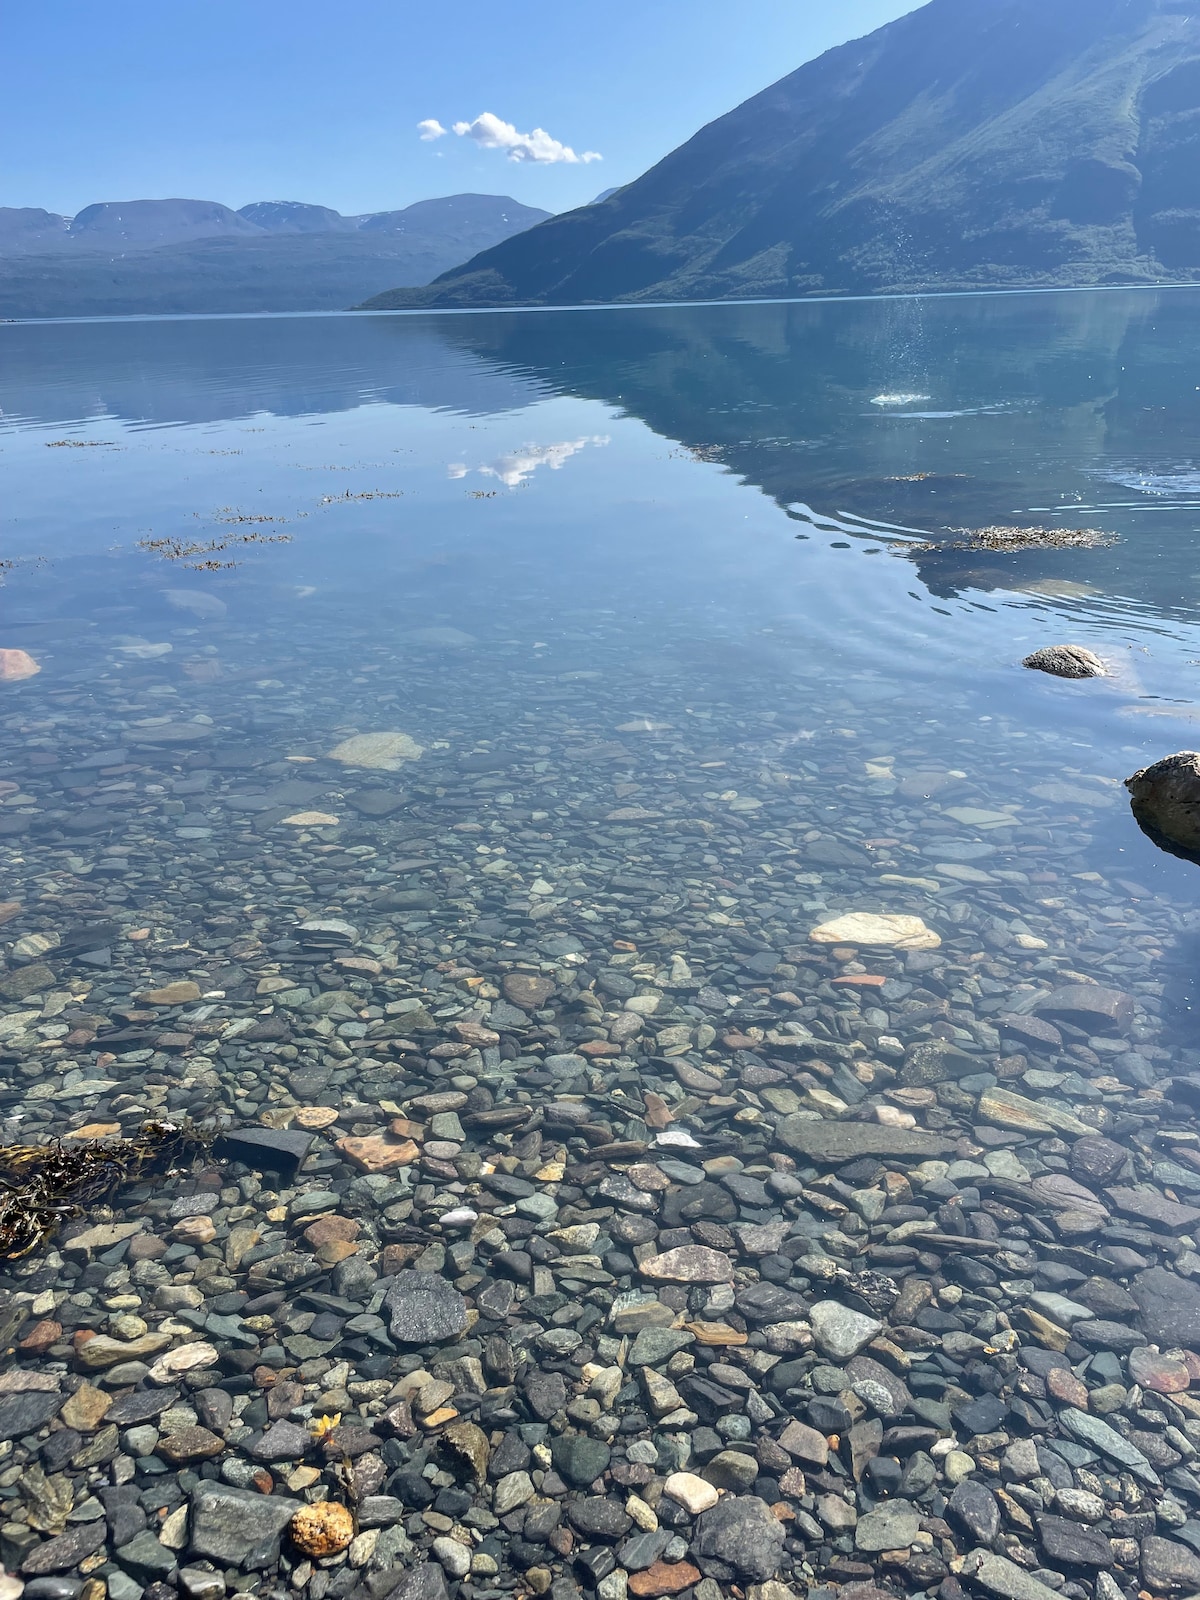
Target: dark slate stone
x=983, y=1415
x=974, y=1508
x=26, y=1413
x=66, y=1552
x=283, y=1441
x=739, y=1536
x=831, y=1143
x=424, y=1582
x=1074, y=1544
x=146, y=1558
x=425, y=1309
x=545, y=1394
x=598, y=1517
x=579, y=1460
x=1168, y=1308
x=770, y=1302
x=279, y=1150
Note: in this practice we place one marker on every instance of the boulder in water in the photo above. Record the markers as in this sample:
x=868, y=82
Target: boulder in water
x=1166, y=800
x=1066, y=661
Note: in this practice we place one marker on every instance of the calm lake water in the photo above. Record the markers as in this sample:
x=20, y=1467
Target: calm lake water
x=664, y=589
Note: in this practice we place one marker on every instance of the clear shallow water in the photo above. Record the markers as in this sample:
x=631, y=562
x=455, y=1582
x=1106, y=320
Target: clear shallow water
x=649, y=590
x=527, y=533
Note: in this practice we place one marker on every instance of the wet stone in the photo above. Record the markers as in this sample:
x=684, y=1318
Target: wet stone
x=235, y=1527
x=891, y=1526
x=738, y=1537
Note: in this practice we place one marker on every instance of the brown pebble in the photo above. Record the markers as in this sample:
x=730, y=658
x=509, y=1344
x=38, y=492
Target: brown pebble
x=314, y=1118
x=376, y=1152
x=524, y=990
x=663, y=1578
x=335, y=1250
x=195, y=1230
x=404, y=1128
x=1064, y=1386
x=327, y=1230
x=146, y=1247
x=395, y=1257
x=1163, y=1374
x=658, y=1112
x=41, y=1336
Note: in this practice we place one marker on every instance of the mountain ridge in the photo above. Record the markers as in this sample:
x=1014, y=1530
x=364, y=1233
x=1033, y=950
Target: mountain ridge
x=194, y=256
x=156, y=224
x=969, y=144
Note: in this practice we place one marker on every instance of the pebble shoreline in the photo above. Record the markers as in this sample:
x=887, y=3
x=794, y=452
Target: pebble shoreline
x=583, y=1224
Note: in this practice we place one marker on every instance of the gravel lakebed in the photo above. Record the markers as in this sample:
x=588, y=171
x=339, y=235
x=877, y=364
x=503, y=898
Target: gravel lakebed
x=665, y=1153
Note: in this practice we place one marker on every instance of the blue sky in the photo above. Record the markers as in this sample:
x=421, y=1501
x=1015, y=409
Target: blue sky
x=240, y=100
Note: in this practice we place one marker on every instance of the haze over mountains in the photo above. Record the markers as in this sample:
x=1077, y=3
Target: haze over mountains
x=144, y=256
x=971, y=144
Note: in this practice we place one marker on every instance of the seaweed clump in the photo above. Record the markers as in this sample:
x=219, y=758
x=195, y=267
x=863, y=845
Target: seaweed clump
x=44, y=1185
x=1004, y=539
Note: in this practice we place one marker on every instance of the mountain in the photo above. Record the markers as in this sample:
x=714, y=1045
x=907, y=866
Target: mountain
x=29, y=228
x=161, y=256
x=294, y=216
x=972, y=143
x=145, y=224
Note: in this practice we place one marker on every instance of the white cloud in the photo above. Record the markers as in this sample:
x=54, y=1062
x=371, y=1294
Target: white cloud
x=490, y=133
x=513, y=470
x=431, y=129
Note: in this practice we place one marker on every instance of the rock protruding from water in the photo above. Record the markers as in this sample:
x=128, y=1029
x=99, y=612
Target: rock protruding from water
x=1166, y=799
x=1066, y=661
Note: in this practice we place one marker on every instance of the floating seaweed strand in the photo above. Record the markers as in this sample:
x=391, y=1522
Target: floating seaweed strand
x=44, y=1185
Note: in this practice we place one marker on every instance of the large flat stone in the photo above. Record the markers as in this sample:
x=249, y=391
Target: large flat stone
x=1003, y=1578
x=1147, y=1205
x=1169, y=1308
x=1090, y=1006
x=835, y=1142
x=236, y=1527
x=1005, y=1109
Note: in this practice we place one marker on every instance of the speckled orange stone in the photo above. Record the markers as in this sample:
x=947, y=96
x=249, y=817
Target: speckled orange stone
x=322, y=1530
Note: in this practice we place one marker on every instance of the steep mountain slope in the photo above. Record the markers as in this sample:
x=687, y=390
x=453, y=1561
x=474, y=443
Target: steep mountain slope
x=971, y=143
x=197, y=256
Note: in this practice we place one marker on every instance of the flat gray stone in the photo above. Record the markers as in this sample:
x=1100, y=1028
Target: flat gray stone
x=238, y=1527
x=891, y=1526
x=26, y=1413
x=841, y=1333
x=283, y=1441
x=1169, y=1566
x=831, y=1143
x=1147, y=1205
x=1091, y=1431
x=1169, y=1308
x=1003, y=1578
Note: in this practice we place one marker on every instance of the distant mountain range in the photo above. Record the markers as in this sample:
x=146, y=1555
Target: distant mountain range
x=142, y=256
x=971, y=144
